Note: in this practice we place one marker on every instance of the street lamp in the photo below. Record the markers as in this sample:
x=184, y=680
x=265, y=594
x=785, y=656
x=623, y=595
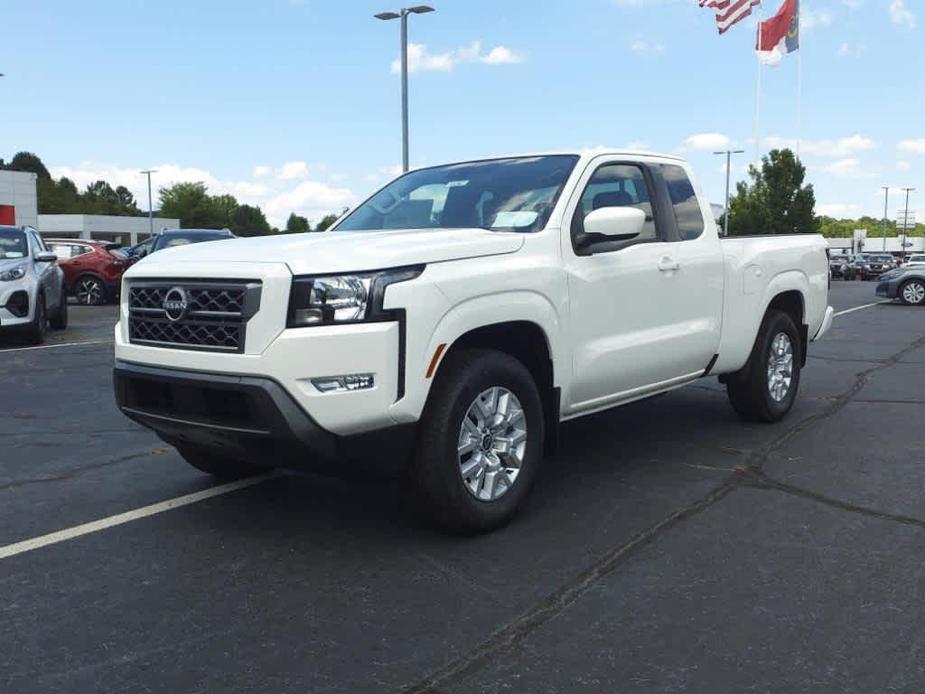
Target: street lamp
x=728, y=153
x=148, y=173
x=906, y=217
x=886, y=212
x=403, y=15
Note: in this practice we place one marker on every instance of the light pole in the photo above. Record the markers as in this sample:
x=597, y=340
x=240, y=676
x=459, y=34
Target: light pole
x=148, y=173
x=728, y=153
x=906, y=219
x=403, y=15
x=886, y=212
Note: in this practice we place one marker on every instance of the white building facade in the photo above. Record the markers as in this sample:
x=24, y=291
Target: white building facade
x=101, y=227
x=18, y=198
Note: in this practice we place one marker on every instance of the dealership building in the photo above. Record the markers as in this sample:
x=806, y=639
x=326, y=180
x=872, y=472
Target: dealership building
x=18, y=199
x=126, y=231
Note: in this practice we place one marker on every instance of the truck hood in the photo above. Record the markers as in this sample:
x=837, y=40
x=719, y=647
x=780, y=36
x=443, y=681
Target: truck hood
x=348, y=251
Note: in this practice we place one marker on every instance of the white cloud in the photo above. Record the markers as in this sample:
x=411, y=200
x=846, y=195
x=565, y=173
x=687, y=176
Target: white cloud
x=847, y=50
x=841, y=147
x=903, y=166
x=913, y=146
x=810, y=19
x=638, y=146
x=643, y=47
x=840, y=210
x=420, y=59
x=292, y=169
x=848, y=168
x=707, y=141
x=901, y=15
x=313, y=199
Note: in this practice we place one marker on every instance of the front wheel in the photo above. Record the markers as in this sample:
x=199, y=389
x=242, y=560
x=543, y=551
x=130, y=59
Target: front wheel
x=58, y=321
x=35, y=330
x=480, y=442
x=765, y=390
x=912, y=293
x=217, y=464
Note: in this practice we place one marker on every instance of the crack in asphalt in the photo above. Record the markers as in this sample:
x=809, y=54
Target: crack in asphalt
x=751, y=475
x=81, y=470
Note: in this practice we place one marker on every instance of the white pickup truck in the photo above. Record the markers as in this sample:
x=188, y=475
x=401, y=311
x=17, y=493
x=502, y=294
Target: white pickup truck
x=446, y=326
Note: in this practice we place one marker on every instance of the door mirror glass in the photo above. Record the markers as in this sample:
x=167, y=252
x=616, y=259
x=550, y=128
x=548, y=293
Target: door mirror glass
x=45, y=257
x=617, y=223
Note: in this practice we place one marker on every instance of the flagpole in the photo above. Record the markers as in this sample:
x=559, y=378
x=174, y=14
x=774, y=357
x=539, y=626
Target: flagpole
x=799, y=81
x=758, y=95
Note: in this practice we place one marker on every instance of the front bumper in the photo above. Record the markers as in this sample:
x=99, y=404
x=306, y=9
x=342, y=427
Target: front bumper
x=888, y=289
x=826, y=323
x=8, y=294
x=254, y=419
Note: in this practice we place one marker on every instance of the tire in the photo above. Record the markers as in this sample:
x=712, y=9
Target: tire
x=912, y=292
x=217, y=464
x=35, y=330
x=59, y=320
x=751, y=391
x=471, y=382
x=90, y=291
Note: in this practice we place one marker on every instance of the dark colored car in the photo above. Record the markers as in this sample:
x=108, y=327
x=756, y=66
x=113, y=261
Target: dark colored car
x=870, y=266
x=838, y=264
x=168, y=238
x=906, y=284
x=92, y=269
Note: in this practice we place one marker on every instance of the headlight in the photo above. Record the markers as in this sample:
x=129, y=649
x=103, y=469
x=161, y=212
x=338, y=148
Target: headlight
x=332, y=299
x=16, y=273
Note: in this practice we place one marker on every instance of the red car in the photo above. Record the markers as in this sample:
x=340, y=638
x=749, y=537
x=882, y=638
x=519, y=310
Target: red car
x=92, y=269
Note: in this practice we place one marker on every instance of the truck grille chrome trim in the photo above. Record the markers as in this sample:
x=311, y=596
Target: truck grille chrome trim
x=208, y=315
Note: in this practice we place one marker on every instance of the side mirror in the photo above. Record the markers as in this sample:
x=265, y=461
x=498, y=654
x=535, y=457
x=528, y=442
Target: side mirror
x=617, y=223
x=45, y=257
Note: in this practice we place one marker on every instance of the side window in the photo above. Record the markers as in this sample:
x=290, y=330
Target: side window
x=80, y=250
x=684, y=201
x=616, y=185
x=36, y=244
x=62, y=250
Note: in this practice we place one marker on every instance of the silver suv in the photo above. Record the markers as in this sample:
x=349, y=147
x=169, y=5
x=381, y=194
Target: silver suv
x=31, y=285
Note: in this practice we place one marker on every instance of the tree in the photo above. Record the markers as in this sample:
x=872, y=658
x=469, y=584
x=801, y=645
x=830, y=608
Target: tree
x=327, y=221
x=297, y=224
x=776, y=201
x=27, y=161
x=191, y=203
x=248, y=220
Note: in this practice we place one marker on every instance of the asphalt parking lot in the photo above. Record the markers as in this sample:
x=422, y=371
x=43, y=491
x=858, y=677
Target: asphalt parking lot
x=667, y=547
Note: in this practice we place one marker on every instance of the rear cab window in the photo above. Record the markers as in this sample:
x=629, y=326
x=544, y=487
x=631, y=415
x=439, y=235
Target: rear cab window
x=684, y=202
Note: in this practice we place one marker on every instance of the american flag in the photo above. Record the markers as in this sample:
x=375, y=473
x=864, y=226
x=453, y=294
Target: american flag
x=729, y=12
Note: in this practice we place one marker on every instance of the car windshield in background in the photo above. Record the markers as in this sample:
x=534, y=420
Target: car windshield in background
x=12, y=244
x=880, y=258
x=171, y=240
x=499, y=194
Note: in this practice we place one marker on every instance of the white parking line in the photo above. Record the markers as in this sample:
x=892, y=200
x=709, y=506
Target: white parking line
x=60, y=344
x=858, y=308
x=129, y=516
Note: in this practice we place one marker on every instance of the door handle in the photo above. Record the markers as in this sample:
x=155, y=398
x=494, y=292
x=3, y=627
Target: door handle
x=667, y=264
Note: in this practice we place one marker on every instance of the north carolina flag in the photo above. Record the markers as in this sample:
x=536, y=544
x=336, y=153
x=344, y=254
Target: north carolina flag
x=779, y=35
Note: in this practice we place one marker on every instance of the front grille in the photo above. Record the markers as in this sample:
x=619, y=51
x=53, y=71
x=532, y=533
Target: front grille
x=204, y=315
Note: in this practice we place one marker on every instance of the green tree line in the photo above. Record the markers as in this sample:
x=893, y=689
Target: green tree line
x=190, y=202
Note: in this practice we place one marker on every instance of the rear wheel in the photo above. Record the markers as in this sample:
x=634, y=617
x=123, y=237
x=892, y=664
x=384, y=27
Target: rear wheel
x=90, y=291
x=765, y=390
x=217, y=464
x=912, y=292
x=481, y=441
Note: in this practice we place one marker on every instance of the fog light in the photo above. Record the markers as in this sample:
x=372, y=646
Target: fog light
x=347, y=382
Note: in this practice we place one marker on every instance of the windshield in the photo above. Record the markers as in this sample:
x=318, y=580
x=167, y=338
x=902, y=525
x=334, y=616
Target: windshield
x=498, y=194
x=171, y=240
x=880, y=258
x=12, y=244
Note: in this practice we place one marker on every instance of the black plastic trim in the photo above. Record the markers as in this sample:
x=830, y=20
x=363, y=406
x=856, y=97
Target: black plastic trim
x=706, y=371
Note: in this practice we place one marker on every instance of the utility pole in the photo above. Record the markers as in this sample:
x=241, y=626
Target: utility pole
x=403, y=15
x=886, y=212
x=150, y=205
x=906, y=219
x=728, y=153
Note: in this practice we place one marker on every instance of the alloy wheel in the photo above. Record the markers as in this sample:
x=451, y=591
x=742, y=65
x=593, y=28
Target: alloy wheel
x=89, y=292
x=914, y=293
x=780, y=367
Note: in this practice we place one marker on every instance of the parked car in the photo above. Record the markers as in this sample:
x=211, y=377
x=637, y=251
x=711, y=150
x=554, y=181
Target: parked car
x=917, y=259
x=446, y=326
x=92, y=269
x=906, y=283
x=838, y=264
x=31, y=285
x=170, y=238
x=139, y=250
x=869, y=266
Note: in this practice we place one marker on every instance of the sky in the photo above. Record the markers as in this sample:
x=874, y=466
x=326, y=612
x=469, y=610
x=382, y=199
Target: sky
x=295, y=104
